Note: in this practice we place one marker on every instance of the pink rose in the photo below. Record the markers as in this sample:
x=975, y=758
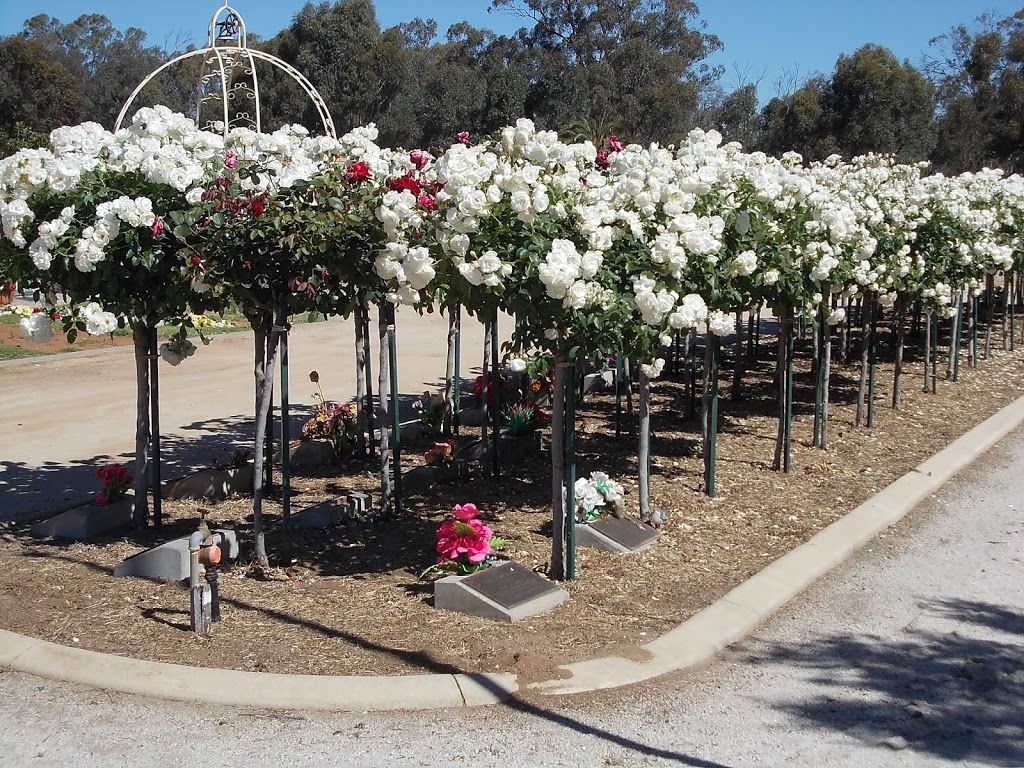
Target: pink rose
x=465, y=512
x=426, y=202
x=602, y=159
x=614, y=143
x=419, y=159
x=462, y=137
x=158, y=227
x=230, y=160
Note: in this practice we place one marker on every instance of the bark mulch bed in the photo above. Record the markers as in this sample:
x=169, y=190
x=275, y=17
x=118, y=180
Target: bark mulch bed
x=352, y=602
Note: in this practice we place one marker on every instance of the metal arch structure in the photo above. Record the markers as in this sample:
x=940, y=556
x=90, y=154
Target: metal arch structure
x=229, y=78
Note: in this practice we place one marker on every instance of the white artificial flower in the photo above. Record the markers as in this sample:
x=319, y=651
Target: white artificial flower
x=36, y=327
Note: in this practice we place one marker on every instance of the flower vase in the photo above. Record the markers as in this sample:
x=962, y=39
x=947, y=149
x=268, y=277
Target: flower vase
x=518, y=448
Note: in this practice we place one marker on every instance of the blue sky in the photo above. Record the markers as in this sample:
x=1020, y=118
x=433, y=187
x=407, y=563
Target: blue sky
x=763, y=39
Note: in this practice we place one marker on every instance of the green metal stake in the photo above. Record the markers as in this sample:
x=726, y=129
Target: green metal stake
x=570, y=477
x=396, y=429
x=935, y=352
x=713, y=426
x=789, y=394
x=693, y=377
x=618, y=395
x=1013, y=288
x=820, y=378
x=286, y=488
x=496, y=392
x=364, y=318
x=456, y=381
x=957, y=333
x=974, y=330
x=872, y=363
x=154, y=420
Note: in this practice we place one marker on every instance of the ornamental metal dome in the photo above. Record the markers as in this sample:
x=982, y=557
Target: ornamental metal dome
x=228, y=94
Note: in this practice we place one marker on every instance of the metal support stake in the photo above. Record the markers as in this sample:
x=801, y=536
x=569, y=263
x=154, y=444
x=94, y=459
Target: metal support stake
x=872, y=362
x=154, y=420
x=396, y=430
x=618, y=395
x=570, y=477
x=713, y=426
x=457, y=381
x=286, y=488
x=789, y=393
x=496, y=395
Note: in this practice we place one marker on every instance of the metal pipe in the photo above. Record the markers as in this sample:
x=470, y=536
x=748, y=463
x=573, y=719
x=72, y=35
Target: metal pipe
x=789, y=394
x=713, y=426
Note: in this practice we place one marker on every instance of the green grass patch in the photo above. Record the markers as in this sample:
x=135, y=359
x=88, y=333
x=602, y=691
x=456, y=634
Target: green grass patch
x=15, y=353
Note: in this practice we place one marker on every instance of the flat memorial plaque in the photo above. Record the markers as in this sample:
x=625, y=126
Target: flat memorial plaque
x=509, y=584
x=630, y=534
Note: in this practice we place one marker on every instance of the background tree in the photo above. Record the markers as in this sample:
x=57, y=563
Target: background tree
x=876, y=104
x=639, y=62
x=37, y=94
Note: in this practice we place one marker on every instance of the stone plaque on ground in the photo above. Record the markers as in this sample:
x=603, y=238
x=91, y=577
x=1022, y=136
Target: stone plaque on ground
x=87, y=521
x=505, y=592
x=170, y=561
x=323, y=515
x=613, y=534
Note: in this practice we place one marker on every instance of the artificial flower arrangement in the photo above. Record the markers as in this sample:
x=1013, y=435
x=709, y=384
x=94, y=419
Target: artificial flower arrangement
x=596, y=496
x=431, y=410
x=442, y=454
x=116, y=480
x=523, y=417
x=336, y=423
x=464, y=544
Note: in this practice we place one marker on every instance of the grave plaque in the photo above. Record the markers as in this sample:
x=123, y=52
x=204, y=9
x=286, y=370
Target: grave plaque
x=506, y=592
x=614, y=534
x=509, y=584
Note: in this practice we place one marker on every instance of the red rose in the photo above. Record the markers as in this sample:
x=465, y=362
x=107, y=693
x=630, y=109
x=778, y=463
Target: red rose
x=602, y=158
x=257, y=208
x=426, y=202
x=406, y=183
x=196, y=261
x=357, y=173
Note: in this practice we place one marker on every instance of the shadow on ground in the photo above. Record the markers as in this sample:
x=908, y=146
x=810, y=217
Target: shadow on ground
x=944, y=693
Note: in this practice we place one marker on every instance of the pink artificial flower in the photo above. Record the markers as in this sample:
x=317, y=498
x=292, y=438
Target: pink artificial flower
x=462, y=137
x=230, y=160
x=465, y=512
x=359, y=172
x=426, y=202
x=158, y=227
x=615, y=144
x=456, y=539
x=419, y=159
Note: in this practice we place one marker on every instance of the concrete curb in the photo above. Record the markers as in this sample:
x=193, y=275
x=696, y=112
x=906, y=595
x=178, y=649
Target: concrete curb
x=693, y=642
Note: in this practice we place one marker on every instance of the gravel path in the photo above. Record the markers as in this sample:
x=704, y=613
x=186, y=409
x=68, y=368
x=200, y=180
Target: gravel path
x=910, y=655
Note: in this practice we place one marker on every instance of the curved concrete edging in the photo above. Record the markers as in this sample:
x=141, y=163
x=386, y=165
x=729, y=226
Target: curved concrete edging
x=693, y=642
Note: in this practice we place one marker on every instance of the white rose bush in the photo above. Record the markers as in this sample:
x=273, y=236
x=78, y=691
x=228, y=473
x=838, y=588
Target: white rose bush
x=593, y=253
